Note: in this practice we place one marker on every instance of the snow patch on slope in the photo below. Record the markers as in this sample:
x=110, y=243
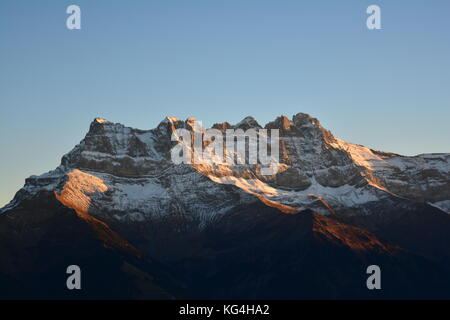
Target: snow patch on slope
x=346, y=195
x=443, y=205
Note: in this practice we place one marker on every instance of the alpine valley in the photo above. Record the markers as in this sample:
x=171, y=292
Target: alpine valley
x=141, y=227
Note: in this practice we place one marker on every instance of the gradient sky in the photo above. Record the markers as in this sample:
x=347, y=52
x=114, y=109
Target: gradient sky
x=135, y=62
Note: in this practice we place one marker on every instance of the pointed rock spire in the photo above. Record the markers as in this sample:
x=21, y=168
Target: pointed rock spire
x=282, y=123
x=247, y=123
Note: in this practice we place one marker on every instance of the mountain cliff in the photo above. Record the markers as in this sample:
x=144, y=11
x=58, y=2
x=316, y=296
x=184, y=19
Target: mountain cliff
x=330, y=203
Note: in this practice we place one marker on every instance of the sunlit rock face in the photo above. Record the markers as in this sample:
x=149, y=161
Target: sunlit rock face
x=317, y=171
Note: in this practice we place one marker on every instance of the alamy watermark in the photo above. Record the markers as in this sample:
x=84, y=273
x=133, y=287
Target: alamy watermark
x=73, y=282
x=374, y=20
x=73, y=22
x=374, y=280
x=210, y=146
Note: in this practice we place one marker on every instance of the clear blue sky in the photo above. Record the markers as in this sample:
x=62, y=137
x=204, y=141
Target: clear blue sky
x=137, y=61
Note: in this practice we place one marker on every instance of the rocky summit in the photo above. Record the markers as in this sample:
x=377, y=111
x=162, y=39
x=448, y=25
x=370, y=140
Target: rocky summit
x=144, y=227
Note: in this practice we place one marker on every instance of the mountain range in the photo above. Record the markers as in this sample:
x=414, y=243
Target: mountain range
x=141, y=227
